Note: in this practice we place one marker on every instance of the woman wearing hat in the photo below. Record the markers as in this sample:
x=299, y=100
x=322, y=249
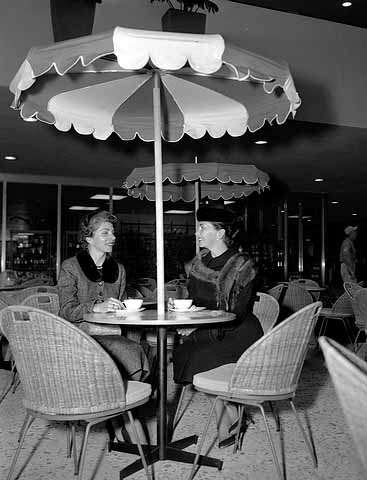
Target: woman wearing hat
x=220, y=278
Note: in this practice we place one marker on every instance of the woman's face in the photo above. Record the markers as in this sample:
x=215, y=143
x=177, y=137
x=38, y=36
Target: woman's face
x=102, y=239
x=208, y=235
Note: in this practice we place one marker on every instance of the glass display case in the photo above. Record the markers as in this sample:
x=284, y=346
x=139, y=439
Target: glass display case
x=30, y=251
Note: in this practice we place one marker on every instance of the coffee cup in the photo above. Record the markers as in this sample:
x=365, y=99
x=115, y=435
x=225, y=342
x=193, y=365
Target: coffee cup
x=182, y=303
x=133, y=303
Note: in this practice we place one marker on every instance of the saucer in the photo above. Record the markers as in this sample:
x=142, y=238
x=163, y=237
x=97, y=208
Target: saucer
x=126, y=311
x=193, y=308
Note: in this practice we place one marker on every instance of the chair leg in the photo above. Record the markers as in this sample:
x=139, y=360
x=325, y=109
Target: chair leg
x=239, y=426
x=80, y=461
x=275, y=413
x=141, y=452
x=68, y=440
x=74, y=448
x=26, y=424
x=347, y=330
x=200, y=446
x=305, y=437
x=275, y=457
x=323, y=327
x=177, y=418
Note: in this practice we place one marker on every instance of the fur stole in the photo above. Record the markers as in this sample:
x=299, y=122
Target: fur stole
x=235, y=275
x=110, y=268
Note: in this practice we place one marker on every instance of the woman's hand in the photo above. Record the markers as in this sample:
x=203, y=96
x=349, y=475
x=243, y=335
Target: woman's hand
x=109, y=305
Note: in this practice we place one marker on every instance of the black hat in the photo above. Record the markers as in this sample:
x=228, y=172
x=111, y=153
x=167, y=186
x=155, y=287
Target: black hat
x=214, y=214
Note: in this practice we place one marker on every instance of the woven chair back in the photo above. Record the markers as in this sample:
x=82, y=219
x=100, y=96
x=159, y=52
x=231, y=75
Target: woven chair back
x=359, y=305
x=133, y=292
x=276, y=291
x=62, y=369
x=18, y=297
x=349, y=375
x=3, y=304
x=307, y=282
x=352, y=288
x=343, y=304
x=295, y=298
x=272, y=365
x=147, y=282
x=45, y=301
x=266, y=309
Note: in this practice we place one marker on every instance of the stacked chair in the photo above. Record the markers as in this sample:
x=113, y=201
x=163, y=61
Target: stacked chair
x=349, y=375
x=295, y=298
x=268, y=371
x=277, y=292
x=67, y=377
x=307, y=282
x=266, y=309
x=44, y=301
x=359, y=306
x=20, y=295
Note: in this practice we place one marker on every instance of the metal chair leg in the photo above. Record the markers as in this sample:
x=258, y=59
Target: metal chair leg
x=137, y=441
x=74, y=448
x=200, y=446
x=275, y=457
x=26, y=424
x=305, y=437
x=275, y=413
x=176, y=419
x=239, y=426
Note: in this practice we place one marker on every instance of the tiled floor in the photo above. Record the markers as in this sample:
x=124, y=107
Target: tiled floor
x=43, y=457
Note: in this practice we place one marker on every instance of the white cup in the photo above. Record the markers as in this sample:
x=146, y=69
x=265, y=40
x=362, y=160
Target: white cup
x=133, y=303
x=182, y=303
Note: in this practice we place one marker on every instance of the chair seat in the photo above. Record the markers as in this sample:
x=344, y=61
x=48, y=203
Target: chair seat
x=216, y=379
x=137, y=391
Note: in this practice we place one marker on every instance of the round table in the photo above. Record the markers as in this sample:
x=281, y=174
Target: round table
x=193, y=317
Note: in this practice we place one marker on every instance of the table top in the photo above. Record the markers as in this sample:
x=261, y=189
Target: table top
x=167, y=319
x=309, y=288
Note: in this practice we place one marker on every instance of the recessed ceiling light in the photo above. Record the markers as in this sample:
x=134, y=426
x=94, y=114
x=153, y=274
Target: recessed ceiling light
x=346, y=4
x=228, y=202
x=261, y=142
x=82, y=207
x=10, y=157
x=179, y=212
x=335, y=202
x=318, y=179
x=101, y=196
x=354, y=214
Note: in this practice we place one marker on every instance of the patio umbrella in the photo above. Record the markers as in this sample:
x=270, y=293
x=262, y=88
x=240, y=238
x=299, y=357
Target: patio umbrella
x=193, y=181
x=153, y=85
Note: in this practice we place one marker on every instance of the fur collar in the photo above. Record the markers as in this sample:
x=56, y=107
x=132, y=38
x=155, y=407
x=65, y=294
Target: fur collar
x=237, y=272
x=110, y=269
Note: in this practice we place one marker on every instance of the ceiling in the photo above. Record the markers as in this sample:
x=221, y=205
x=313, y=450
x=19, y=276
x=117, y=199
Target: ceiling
x=291, y=157
x=331, y=10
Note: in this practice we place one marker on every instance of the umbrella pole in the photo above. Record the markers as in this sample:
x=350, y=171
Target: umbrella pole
x=197, y=203
x=158, y=193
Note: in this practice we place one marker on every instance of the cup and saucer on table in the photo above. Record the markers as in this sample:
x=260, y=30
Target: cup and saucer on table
x=183, y=305
x=131, y=305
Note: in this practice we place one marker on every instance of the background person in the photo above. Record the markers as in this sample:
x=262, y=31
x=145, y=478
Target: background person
x=220, y=278
x=348, y=255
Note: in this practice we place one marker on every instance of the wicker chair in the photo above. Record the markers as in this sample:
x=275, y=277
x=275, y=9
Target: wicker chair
x=67, y=376
x=7, y=358
x=18, y=297
x=307, y=282
x=268, y=371
x=342, y=311
x=295, y=298
x=359, y=306
x=277, y=292
x=349, y=375
x=44, y=301
x=266, y=309
x=352, y=288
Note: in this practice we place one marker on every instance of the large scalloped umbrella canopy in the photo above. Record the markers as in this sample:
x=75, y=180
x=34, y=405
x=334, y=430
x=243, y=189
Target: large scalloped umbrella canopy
x=217, y=181
x=207, y=86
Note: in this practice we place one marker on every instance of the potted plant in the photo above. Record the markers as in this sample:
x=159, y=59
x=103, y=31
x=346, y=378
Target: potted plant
x=183, y=16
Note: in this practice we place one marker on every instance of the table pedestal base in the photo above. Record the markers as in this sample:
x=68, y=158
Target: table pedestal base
x=172, y=452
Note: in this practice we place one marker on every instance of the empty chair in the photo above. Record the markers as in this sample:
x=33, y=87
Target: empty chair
x=266, y=308
x=67, y=376
x=18, y=297
x=277, y=291
x=349, y=375
x=44, y=301
x=268, y=371
x=307, y=282
x=341, y=311
x=5, y=355
x=359, y=306
x=295, y=298
x=352, y=288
